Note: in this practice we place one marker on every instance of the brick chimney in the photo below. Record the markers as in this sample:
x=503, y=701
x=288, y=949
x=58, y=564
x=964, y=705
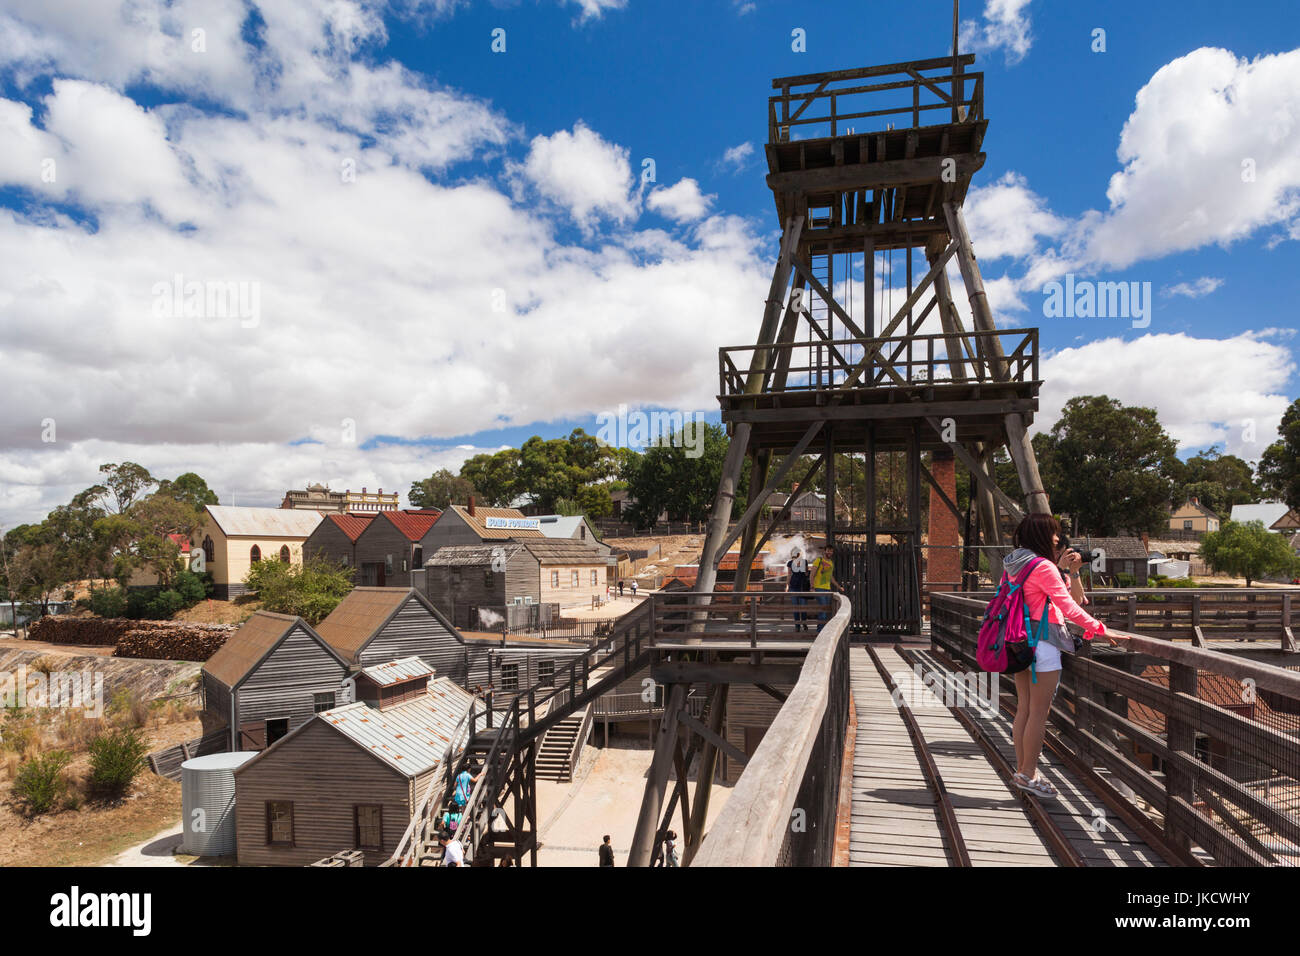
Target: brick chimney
x=943, y=559
x=470, y=509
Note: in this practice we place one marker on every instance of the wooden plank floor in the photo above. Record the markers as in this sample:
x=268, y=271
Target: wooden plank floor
x=894, y=817
x=1096, y=833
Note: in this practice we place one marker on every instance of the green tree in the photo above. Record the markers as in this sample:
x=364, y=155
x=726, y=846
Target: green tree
x=1247, y=550
x=189, y=489
x=1109, y=466
x=123, y=486
x=1279, y=468
x=310, y=590
x=494, y=477
x=1216, y=480
x=665, y=479
x=440, y=490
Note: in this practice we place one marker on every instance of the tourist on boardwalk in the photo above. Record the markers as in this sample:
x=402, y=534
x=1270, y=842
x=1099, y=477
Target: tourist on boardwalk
x=620, y=587
x=1038, y=537
x=634, y=587
x=823, y=579
x=799, y=581
x=606, y=853
x=453, y=852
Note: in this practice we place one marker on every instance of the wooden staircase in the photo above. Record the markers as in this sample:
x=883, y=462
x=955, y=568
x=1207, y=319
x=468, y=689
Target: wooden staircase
x=562, y=746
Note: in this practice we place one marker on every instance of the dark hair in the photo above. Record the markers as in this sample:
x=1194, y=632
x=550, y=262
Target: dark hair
x=444, y=835
x=1035, y=533
x=606, y=837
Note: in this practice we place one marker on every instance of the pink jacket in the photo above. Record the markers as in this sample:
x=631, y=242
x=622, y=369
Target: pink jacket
x=1044, y=582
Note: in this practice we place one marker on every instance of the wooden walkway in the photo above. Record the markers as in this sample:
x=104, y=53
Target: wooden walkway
x=895, y=820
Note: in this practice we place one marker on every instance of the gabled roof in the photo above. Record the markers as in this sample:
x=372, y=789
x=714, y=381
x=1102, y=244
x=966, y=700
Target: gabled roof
x=351, y=525
x=1200, y=508
x=1126, y=548
x=238, y=521
x=253, y=643
x=363, y=613
x=565, y=551
x=395, y=672
x=1269, y=512
x=565, y=526
x=411, y=737
x=413, y=524
x=476, y=521
x=471, y=555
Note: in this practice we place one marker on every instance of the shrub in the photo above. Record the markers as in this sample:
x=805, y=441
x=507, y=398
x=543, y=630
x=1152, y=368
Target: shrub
x=311, y=590
x=116, y=759
x=41, y=782
x=44, y=664
x=191, y=587
x=108, y=602
x=164, y=605
x=130, y=709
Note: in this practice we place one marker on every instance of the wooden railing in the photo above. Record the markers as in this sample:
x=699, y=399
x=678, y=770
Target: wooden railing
x=1208, y=741
x=823, y=104
x=753, y=617
x=921, y=360
x=782, y=809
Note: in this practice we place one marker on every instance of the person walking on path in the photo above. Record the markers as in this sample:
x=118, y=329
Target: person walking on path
x=823, y=579
x=606, y=853
x=620, y=587
x=453, y=851
x=634, y=587
x=799, y=582
x=670, y=848
x=1037, y=539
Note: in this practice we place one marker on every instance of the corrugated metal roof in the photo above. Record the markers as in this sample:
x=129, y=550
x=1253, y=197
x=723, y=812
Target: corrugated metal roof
x=413, y=524
x=1269, y=512
x=565, y=526
x=565, y=551
x=410, y=737
x=234, y=520
x=358, y=616
x=394, y=672
x=475, y=521
x=351, y=525
x=470, y=555
x=248, y=645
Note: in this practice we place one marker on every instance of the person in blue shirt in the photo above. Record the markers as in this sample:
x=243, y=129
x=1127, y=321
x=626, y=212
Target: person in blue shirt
x=464, y=786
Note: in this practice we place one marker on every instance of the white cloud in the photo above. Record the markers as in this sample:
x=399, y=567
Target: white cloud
x=737, y=157
x=1007, y=218
x=1205, y=390
x=585, y=174
x=682, y=201
x=1193, y=290
x=1006, y=27
x=595, y=9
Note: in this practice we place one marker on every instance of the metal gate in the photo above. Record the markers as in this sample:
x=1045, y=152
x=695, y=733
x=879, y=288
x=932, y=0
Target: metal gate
x=884, y=586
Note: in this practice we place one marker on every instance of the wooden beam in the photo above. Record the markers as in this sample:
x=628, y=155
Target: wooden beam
x=772, y=692
x=722, y=743
x=805, y=273
x=743, y=672
x=925, y=473
x=887, y=174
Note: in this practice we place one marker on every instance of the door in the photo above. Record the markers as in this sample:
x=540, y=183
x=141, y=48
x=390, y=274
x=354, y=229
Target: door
x=275, y=729
x=252, y=736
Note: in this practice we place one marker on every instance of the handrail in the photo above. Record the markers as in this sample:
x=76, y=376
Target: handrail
x=752, y=828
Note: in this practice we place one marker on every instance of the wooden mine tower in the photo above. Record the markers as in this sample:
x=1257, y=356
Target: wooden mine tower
x=865, y=165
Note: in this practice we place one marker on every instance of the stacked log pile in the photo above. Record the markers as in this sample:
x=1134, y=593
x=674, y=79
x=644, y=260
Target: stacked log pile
x=157, y=640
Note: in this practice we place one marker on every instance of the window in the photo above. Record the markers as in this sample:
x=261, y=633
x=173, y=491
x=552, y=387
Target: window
x=322, y=702
x=573, y=579
x=209, y=550
x=346, y=560
x=369, y=819
x=1187, y=525
x=594, y=579
x=582, y=531
x=555, y=579
x=509, y=676
x=284, y=554
x=388, y=563
x=487, y=578
x=275, y=729
x=254, y=554
x=279, y=822
x=417, y=556
x=546, y=672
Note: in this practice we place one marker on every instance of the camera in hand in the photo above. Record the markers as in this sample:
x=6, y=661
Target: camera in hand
x=1088, y=555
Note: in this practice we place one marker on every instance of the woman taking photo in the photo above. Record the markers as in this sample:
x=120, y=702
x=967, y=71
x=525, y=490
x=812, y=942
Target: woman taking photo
x=1039, y=536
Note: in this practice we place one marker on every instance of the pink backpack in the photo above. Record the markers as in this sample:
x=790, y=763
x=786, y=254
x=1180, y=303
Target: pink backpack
x=1006, y=644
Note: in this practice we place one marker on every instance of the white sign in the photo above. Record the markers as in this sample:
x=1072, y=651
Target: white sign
x=514, y=524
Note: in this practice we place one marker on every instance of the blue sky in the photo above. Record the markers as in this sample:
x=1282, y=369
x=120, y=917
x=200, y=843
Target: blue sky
x=495, y=268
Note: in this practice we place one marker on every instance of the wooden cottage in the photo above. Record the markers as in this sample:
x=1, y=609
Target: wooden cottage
x=335, y=538
x=462, y=580
x=392, y=546
x=1125, y=555
x=351, y=777
x=1193, y=516
x=377, y=625
x=271, y=676
x=469, y=524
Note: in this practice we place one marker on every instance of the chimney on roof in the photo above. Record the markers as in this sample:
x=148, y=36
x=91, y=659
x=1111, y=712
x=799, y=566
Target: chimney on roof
x=381, y=490
x=470, y=509
x=363, y=489
x=1195, y=500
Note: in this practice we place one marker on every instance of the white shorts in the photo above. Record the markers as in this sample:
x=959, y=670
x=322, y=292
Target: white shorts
x=1047, y=657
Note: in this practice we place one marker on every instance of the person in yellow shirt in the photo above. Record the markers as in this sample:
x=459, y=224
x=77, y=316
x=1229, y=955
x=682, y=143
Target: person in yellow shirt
x=823, y=579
